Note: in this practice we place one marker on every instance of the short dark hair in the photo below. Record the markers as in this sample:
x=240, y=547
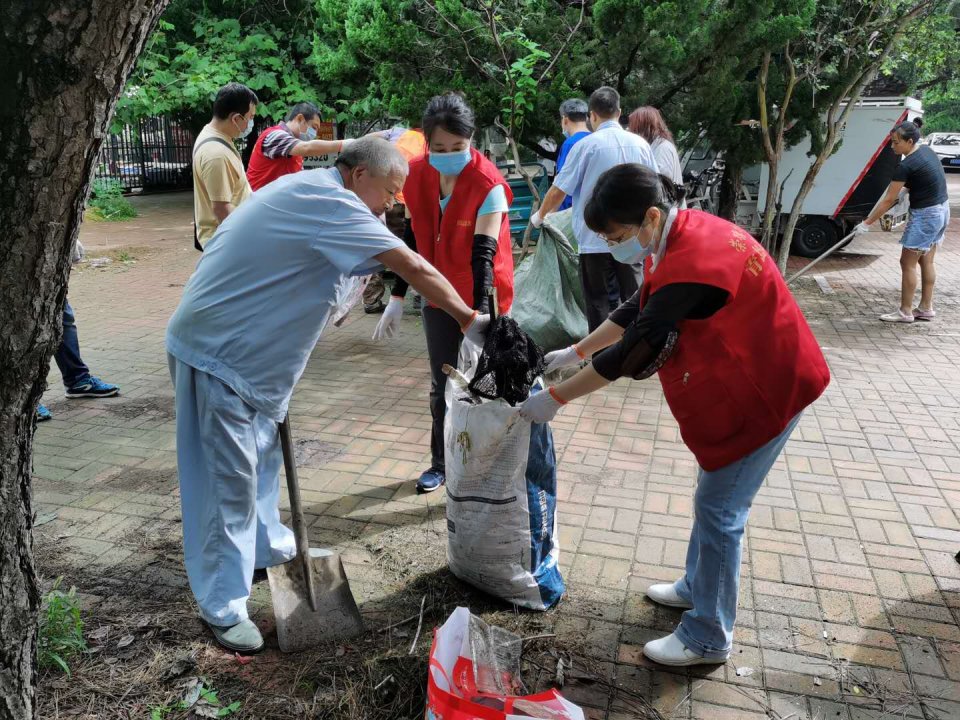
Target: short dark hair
x=605, y=102
x=918, y=121
x=233, y=98
x=624, y=193
x=450, y=112
x=907, y=131
x=574, y=110
x=307, y=109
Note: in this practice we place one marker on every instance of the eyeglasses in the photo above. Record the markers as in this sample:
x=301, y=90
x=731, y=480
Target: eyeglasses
x=626, y=235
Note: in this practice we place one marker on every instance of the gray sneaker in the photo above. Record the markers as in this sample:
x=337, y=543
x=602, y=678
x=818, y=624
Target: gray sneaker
x=244, y=637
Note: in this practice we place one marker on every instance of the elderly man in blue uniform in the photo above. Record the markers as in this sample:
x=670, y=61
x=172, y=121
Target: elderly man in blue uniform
x=239, y=341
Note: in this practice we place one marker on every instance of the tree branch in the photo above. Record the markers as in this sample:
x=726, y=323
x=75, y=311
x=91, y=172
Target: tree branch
x=566, y=42
x=462, y=35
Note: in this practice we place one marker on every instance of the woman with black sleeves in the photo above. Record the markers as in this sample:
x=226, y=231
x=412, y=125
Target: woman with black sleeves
x=457, y=204
x=738, y=364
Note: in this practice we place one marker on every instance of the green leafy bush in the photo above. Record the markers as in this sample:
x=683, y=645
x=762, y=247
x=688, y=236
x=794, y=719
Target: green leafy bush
x=61, y=629
x=108, y=203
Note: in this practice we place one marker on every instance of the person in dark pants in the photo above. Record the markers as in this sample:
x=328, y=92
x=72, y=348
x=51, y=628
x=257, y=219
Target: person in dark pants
x=77, y=380
x=607, y=146
x=457, y=204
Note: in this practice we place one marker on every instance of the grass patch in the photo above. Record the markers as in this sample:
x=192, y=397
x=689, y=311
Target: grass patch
x=61, y=629
x=108, y=203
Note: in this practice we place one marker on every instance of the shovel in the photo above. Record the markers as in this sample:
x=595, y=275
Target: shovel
x=312, y=601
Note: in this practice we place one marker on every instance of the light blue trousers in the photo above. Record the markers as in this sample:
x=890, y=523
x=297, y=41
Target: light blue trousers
x=228, y=459
x=711, y=582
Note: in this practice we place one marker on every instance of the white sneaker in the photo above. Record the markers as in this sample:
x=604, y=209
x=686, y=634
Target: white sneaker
x=666, y=594
x=670, y=651
x=899, y=316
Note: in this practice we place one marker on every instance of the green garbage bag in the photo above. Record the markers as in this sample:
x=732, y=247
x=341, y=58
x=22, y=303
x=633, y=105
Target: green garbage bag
x=548, y=298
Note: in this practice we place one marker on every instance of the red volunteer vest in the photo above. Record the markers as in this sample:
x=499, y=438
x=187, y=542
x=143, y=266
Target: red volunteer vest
x=263, y=170
x=736, y=379
x=447, y=242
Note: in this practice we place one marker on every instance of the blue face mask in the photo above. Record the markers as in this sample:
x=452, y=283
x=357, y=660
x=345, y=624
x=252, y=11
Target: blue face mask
x=450, y=163
x=630, y=251
x=310, y=134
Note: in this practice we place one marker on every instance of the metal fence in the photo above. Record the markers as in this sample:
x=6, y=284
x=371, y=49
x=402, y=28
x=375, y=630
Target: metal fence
x=154, y=154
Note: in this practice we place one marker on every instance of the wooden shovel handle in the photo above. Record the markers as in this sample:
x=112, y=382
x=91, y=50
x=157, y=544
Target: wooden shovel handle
x=296, y=510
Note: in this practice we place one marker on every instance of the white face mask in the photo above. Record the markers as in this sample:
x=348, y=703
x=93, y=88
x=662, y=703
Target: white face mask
x=247, y=130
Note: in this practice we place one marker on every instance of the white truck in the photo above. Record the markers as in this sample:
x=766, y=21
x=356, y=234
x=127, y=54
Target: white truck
x=844, y=192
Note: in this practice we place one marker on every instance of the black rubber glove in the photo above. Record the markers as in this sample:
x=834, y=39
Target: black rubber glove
x=400, y=285
x=481, y=261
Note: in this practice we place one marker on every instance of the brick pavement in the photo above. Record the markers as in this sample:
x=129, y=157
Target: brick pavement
x=851, y=596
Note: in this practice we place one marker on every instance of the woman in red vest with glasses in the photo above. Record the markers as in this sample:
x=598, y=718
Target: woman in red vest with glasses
x=457, y=203
x=737, y=362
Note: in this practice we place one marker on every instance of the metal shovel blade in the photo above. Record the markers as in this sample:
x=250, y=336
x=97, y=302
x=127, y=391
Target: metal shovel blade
x=336, y=615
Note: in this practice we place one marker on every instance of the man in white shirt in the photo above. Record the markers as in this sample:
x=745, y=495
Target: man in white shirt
x=239, y=341
x=607, y=146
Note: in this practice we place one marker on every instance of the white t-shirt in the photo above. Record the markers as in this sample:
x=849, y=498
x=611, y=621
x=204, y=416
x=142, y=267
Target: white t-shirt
x=668, y=160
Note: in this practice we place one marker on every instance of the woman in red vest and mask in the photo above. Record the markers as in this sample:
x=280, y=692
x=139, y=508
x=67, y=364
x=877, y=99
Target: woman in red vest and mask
x=457, y=203
x=737, y=362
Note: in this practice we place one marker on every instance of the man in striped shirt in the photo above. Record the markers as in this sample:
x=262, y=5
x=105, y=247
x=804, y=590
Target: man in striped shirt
x=280, y=149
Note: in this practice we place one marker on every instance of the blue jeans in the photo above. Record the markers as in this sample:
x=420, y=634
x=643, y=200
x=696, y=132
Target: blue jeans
x=72, y=367
x=711, y=582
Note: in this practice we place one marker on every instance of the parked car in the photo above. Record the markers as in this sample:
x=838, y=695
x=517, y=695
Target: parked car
x=947, y=148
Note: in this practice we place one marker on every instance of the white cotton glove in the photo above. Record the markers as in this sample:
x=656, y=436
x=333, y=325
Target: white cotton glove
x=541, y=407
x=536, y=220
x=861, y=228
x=78, y=252
x=476, y=330
x=389, y=324
x=558, y=359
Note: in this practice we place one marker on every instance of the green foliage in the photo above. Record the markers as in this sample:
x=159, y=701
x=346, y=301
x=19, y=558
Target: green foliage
x=181, y=70
x=203, y=696
x=108, y=203
x=942, y=110
x=928, y=63
x=399, y=53
x=521, y=83
x=364, y=60
x=61, y=629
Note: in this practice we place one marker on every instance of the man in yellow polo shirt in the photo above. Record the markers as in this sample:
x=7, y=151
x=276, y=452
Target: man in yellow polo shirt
x=219, y=179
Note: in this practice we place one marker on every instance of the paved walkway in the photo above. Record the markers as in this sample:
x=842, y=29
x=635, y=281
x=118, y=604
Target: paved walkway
x=850, y=599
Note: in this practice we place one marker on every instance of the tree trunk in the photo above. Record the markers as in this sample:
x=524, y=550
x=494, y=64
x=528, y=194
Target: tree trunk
x=773, y=150
x=64, y=64
x=730, y=187
x=835, y=127
x=835, y=124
